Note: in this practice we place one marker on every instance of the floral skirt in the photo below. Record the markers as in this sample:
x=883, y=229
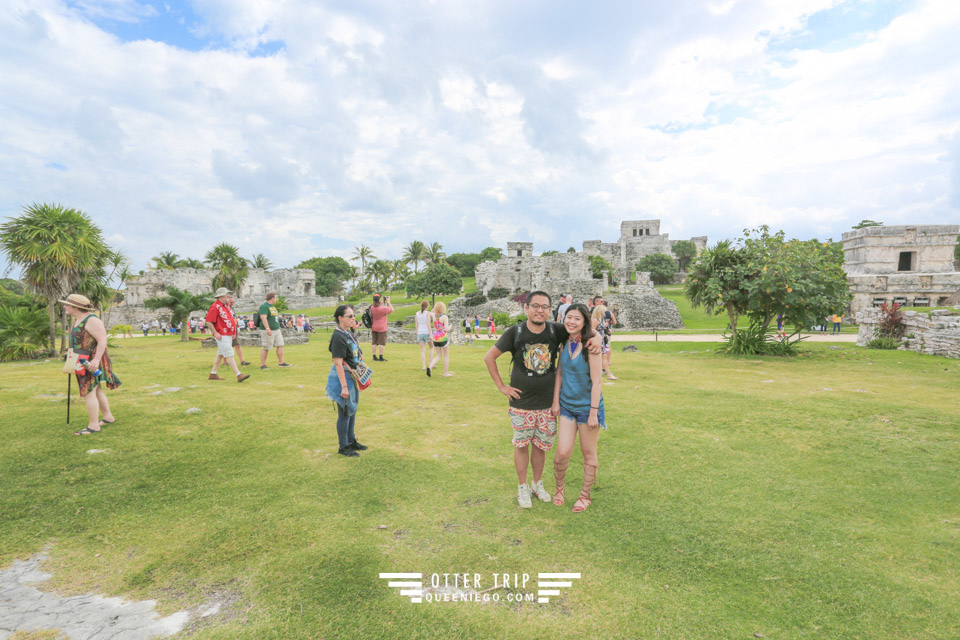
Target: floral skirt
x=88, y=382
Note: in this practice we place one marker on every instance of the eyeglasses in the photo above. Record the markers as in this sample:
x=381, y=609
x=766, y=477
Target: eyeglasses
x=350, y=316
x=539, y=307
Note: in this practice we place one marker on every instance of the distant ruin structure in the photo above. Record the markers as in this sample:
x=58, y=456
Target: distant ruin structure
x=297, y=286
x=638, y=239
x=912, y=265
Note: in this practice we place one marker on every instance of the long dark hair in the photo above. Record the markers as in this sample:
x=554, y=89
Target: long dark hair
x=587, y=332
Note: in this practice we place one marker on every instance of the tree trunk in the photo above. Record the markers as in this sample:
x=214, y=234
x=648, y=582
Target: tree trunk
x=184, y=327
x=52, y=312
x=63, y=336
x=733, y=322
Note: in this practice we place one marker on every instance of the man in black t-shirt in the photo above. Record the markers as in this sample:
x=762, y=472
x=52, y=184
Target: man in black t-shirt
x=534, y=345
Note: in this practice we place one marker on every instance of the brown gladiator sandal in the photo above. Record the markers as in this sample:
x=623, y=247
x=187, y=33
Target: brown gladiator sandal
x=559, y=475
x=589, y=476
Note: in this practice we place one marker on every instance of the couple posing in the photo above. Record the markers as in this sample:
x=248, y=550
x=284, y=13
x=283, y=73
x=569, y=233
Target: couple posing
x=541, y=394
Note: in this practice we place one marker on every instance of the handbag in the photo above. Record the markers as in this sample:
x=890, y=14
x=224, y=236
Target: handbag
x=71, y=362
x=362, y=375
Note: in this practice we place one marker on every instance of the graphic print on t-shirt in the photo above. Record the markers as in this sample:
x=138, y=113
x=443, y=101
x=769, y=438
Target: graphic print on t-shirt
x=536, y=358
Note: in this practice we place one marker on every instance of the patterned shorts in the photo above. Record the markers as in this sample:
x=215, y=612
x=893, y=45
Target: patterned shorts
x=533, y=425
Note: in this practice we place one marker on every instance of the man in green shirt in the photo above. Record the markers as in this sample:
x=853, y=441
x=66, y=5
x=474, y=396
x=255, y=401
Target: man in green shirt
x=270, y=334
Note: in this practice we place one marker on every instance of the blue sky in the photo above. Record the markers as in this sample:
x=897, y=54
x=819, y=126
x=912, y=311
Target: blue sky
x=304, y=128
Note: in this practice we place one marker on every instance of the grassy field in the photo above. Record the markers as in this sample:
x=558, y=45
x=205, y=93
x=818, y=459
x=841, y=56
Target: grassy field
x=793, y=498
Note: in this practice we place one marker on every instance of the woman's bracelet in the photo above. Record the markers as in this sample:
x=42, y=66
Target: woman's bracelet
x=597, y=408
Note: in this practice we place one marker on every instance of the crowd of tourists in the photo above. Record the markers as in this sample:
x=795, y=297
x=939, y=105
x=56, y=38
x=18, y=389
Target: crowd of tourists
x=554, y=391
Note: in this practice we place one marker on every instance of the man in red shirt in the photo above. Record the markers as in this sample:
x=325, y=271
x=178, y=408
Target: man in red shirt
x=223, y=325
x=380, y=311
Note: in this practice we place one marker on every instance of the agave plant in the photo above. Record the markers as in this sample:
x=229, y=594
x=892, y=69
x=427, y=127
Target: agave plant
x=23, y=333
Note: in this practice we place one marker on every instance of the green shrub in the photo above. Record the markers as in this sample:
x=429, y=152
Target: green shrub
x=498, y=292
x=883, y=343
x=502, y=319
x=754, y=341
x=24, y=333
x=519, y=318
x=474, y=300
x=120, y=329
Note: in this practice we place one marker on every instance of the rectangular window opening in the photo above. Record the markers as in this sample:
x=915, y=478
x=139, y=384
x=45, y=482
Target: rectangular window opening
x=907, y=261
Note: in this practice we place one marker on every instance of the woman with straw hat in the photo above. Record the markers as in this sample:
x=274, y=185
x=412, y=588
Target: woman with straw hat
x=89, y=337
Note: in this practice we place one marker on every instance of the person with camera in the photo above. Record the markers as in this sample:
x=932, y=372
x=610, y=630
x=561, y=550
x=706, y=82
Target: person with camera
x=88, y=338
x=380, y=310
x=341, y=387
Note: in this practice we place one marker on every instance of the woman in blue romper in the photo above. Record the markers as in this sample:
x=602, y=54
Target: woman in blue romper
x=578, y=404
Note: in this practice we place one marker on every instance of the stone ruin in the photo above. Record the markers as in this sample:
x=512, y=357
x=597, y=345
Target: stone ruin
x=638, y=239
x=909, y=265
x=935, y=334
x=297, y=286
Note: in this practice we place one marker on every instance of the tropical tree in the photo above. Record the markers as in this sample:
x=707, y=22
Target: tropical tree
x=166, y=260
x=190, y=263
x=330, y=272
x=400, y=273
x=660, y=266
x=415, y=252
x=364, y=254
x=685, y=251
x=57, y=248
x=599, y=264
x=181, y=304
x=465, y=263
x=382, y=272
x=233, y=268
x=260, y=261
x=491, y=254
x=437, y=279
x=435, y=253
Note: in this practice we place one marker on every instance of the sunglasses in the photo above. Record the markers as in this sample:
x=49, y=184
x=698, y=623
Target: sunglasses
x=350, y=316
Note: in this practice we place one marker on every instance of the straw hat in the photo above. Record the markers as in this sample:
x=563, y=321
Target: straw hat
x=80, y=302
x=222, y=291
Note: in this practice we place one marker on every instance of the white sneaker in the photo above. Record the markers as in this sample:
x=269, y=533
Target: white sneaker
x=540, y=492
x=523, y=496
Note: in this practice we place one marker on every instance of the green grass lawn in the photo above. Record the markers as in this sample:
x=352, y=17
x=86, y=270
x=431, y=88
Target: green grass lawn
x=793, y=498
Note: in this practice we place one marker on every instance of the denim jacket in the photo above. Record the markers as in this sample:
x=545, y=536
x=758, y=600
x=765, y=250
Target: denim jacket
x=334, y=388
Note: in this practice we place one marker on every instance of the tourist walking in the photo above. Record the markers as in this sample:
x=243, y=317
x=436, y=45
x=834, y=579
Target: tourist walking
x=534, y=346
x=88, y=338
x=380, y=311
x=491, y=327
x=223, y=326
x=601, y=323
x=578, y=406
x=441, y=339
x=423, y=334
x=270, y=335
x=145, y=327
x=341, y=387
x=236, y=336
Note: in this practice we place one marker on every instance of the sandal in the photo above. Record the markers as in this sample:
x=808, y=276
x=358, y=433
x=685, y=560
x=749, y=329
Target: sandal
x=589, y=478
x=581, y=504
x=86, y=431
x=559, y=476
x=104, y=423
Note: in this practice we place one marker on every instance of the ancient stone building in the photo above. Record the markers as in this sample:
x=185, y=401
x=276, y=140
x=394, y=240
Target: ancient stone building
x=295, y=285
x=638, y=239
x=562, y=272
x=911, y=264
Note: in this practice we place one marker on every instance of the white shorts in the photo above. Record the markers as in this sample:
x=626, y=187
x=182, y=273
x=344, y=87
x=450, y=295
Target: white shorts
x=225, y=346
x=271, y=341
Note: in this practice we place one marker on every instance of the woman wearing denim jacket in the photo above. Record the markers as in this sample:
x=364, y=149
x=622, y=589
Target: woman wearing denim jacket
x=341, y=387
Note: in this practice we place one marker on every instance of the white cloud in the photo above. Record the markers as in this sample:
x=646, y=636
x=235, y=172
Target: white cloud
x=386, y=123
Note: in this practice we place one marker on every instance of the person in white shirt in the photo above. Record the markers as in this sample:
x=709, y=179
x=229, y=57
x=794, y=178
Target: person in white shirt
x=423, y=334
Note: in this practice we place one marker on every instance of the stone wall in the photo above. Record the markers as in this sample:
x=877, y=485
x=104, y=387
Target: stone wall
x=252, y=339
x=876, y=250
x=553, y=274
x=937, y=288
x=648, y=310
x=286, y=282
x=935, y=334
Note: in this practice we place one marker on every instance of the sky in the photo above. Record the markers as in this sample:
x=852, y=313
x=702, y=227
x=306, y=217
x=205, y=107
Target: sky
x=301, y=128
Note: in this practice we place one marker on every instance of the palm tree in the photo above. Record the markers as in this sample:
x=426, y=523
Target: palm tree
x=261, y=261
x=382, y=271
x=415, y=252
x=363, y=253
x=435, y=253
x=166, y=260
x=181, y=304
x=190, y=263
x=400, y=273
x=233, y=268
x=58, y=248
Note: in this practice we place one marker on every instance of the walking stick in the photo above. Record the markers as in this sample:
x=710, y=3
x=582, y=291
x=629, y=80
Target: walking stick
x=69, y=385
